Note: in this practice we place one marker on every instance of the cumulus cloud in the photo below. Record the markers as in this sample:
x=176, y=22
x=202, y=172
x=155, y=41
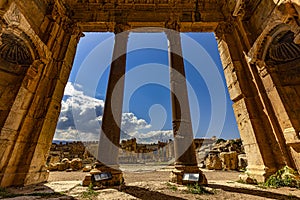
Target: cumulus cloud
x=81, y=118
x=132, y=125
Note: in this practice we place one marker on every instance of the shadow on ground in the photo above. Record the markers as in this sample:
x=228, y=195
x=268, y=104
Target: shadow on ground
x=39, y=191
x=146, y=194
x=265, y=194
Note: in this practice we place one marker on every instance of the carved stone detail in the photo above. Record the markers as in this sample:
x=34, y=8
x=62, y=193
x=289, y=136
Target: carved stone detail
x=14, y=50
x=13, y=18
x=283, y=49
x=260, y=47
x=120, y=27
x=239, y=9
x=224, y=28
x=172, y=24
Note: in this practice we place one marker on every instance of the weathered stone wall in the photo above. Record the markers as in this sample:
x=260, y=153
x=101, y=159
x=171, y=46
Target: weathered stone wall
x=27, y=132
x=269, y=131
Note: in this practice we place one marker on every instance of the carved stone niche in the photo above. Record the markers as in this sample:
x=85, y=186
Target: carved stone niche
x=284, y=56
x=14, y=50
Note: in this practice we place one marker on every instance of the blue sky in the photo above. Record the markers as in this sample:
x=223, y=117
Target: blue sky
x=147, y=95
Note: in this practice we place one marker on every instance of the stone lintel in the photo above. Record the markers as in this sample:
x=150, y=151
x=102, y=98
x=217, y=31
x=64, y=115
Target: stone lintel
x=152, y=27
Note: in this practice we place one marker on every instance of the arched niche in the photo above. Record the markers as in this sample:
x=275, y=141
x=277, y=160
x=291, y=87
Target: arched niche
x=282, y=60
x=15, y=59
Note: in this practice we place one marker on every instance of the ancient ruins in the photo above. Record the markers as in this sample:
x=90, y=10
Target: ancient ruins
x=210, y=153
x=259, y=45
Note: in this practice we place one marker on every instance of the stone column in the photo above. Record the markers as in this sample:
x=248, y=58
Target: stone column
x=185, y=155
x=108, y=150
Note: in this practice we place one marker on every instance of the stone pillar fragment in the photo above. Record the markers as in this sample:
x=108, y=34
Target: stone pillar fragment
x=185, y=155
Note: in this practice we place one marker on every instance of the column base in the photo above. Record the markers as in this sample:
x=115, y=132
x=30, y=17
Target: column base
x=36, y=177
x=259, y=173
x=17, y=179
x=116, y=178
x=179, y=174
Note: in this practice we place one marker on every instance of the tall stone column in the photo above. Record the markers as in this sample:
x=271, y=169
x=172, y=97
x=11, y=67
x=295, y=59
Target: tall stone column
x=111, y=123
x=185, y=155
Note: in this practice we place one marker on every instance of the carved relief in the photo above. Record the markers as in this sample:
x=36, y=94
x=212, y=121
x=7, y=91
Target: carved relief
x=13, y=17
x=13, y=50
x=261, y=45
x=283, y=48
x=224, y=28
x=284, y=56
x=172, y=24
x=239, y=8
x=120, y=27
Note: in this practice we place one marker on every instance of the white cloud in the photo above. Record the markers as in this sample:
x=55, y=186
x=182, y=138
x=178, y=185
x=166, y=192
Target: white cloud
x=132, y=125
x=81, y=117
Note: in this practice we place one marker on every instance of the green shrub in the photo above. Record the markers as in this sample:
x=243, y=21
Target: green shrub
x=285, y=177
x=172, y=187
x=89, y=193
x=197, y=189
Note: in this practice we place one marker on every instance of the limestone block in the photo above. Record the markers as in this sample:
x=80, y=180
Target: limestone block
x=66, y=162
x=14, y=119
x=76, y=164
x=230, y=160
x=87, y=168
x=53, y=166
x=54, y=159
x=62, y=167
x=213, y=162
x=247, y=179
x=23, y=99
x=243, y=162
x=87, y=180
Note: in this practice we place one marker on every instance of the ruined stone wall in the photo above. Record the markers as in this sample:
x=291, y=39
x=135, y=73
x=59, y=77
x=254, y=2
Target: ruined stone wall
x=267, y=128
x=27, y=132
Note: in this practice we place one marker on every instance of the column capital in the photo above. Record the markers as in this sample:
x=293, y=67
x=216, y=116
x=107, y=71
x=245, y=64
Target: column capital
x=121, y=27
x=172, y=24
x=226, y=27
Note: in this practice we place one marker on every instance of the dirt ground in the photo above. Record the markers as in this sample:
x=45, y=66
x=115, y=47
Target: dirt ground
x=154, y=185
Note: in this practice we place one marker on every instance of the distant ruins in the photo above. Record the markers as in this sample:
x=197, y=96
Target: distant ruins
x=211, y=153
x=259, y=45
x=129, y=153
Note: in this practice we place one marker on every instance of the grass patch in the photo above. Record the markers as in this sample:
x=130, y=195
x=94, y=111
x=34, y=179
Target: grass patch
x=285, y=177
x=198, y=189
x=171, y=186
x=89, y=193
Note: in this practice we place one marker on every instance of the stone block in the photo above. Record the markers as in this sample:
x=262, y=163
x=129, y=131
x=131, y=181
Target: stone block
x=213, y=162
x=243, y=162
x=247, y=179
x=76, y=164
x=230, y=160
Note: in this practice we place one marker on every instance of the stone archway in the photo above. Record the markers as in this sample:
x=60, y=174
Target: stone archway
x=267, y=119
